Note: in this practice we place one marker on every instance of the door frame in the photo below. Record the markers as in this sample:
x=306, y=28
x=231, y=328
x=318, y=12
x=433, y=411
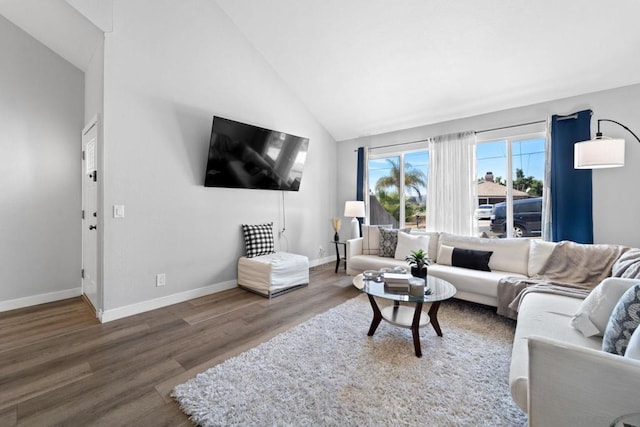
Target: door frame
x=95, y=121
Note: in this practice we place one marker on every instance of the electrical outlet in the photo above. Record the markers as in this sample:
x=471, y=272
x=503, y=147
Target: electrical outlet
x=320, y=250
x=161, y=280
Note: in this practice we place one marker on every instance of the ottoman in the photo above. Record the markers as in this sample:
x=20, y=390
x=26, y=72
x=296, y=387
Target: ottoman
x=273, y=274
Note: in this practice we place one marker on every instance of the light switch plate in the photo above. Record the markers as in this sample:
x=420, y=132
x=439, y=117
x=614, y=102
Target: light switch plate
x=118, y=211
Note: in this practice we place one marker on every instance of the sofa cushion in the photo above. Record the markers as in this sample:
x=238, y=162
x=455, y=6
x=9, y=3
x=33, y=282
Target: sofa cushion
x=258, y=239
x=624, y=320
x=508, y=254
x=539, y=253
x=373, y=262
x=408, y=243
x=470, y=281
x=389, y=241
x=546, y=315
x=434, y=239
x=593, y=315
x=371, y=239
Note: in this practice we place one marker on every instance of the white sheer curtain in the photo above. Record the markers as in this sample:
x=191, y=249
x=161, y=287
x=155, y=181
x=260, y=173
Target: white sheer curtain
x=452, y=186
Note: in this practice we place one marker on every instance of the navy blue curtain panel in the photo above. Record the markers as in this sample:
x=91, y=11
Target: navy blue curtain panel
x=360, y=177
x=571, y=189
x=360, y=181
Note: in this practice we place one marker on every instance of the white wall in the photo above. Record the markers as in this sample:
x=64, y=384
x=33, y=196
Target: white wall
x=615, y=201
x=166, y=74
x=41, y=110
x=94, y=85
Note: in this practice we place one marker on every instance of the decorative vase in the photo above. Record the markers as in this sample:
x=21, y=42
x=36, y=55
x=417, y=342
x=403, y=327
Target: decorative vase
x=336, y=237
x=421, y=273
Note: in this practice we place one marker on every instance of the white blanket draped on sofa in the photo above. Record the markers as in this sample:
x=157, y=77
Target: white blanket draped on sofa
x=573, y=269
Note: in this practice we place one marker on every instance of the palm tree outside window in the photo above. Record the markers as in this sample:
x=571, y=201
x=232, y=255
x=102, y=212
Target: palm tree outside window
x=397, y=189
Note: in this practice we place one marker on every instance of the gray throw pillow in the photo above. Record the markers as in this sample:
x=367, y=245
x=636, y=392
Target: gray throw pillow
x=624, y=320
x=389, y=241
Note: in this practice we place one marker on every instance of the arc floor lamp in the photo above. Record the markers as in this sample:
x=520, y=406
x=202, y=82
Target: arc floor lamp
x=601, y=152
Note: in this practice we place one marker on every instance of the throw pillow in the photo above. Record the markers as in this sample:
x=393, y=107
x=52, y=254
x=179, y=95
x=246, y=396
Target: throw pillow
x=469, y=258
x=465, y=258
x=633, y=349
x=258, y=239
x=444, y=254
x=389, y=241
x=623, y=322
x=628, y=265
x=593, y=315
x=408, y=243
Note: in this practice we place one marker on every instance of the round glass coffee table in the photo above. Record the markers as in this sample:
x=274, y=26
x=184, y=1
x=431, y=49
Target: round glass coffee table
x=436, y=291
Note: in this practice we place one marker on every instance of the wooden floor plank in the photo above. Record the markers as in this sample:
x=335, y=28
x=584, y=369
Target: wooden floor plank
x=9, y=417
x=59, y=366
x=11, y=394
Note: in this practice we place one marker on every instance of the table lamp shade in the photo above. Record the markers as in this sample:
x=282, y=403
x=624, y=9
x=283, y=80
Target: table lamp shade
x=354, y=209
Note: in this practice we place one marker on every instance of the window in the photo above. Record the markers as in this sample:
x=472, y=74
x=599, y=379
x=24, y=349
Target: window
x=397, y=185
x=511, y=178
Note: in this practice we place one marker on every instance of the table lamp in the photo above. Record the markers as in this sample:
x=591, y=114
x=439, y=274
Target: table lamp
x=354, y=209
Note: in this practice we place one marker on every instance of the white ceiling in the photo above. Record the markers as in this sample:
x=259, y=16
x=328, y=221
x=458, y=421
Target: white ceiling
x=57, y=25
x=364, y=67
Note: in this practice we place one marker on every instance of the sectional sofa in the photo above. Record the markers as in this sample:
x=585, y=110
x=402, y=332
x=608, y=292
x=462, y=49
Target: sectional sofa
x=510, y=258
x=558, y=375
x=561, y=377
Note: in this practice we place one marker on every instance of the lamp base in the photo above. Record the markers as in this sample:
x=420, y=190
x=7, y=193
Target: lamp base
x=355, y=228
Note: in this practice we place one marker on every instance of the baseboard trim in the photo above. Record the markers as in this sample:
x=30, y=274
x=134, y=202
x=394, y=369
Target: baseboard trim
x=39, y=299
x=144, y=306
x=133, y=309
x=321, y=261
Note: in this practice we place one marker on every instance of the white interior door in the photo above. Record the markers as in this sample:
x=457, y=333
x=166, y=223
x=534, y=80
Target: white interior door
x=90, y=279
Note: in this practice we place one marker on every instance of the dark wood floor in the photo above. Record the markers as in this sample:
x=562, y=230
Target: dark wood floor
x=59, y=366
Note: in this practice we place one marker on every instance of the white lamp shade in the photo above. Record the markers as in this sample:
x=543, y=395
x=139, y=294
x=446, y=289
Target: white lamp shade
x=599, y=153
x=354, y=209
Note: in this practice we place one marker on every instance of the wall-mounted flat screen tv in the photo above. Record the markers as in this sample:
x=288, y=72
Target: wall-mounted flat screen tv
x=246, y=156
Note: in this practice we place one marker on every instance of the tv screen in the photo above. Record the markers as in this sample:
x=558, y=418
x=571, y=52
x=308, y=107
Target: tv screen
x=246, y=156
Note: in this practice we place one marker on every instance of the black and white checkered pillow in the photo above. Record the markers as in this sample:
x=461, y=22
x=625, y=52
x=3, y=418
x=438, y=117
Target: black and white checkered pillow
x=258, y=239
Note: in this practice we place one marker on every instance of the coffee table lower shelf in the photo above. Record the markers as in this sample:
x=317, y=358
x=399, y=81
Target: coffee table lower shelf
x=402, y=316
x=406, y=317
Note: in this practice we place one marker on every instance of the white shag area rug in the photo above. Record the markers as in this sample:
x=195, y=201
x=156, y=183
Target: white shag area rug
x=328, y=372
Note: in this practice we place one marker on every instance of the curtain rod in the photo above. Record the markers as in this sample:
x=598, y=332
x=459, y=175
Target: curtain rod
x=480, y=131
x=512, y=126
x=395, y=145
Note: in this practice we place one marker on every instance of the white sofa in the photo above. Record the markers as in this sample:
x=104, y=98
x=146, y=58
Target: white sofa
x=559, y=376
x=511, y=258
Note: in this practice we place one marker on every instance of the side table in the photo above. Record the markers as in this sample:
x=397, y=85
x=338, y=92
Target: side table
x=338, y=256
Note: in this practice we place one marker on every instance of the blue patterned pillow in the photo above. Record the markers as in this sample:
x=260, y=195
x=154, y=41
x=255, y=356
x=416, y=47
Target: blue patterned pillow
x=258, y=239
x=624, y=320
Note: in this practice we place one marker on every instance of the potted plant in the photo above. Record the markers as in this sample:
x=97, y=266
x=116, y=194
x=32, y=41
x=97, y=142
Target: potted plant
x=418, y=260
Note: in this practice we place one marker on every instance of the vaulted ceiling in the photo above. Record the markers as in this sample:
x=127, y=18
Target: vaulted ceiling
x=365, y=67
